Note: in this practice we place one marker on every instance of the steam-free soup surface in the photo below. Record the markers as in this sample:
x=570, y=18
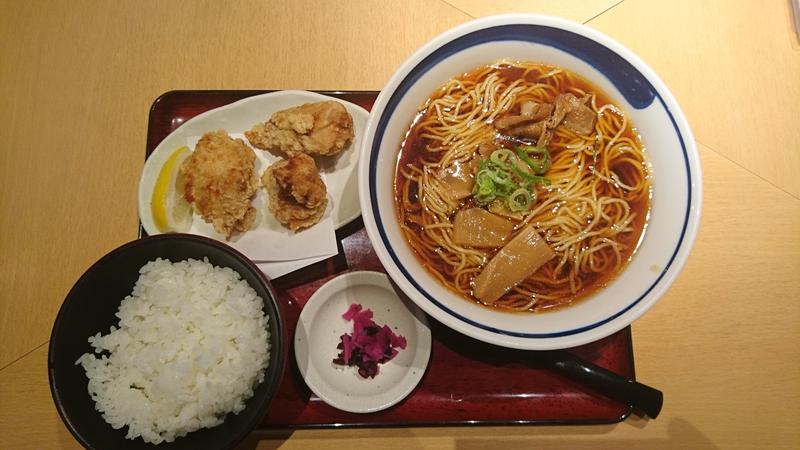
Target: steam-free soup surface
x=585, y=187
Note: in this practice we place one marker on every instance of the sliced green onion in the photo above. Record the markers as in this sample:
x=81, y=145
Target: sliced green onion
x=520, y=200
x=502, y=157
x=524, y=175
x=540, y=180
x=540, y=163
x=501, y=177
x=484, y=190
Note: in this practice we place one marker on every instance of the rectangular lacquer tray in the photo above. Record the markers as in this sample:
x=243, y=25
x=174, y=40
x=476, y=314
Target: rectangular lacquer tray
x=467, y=382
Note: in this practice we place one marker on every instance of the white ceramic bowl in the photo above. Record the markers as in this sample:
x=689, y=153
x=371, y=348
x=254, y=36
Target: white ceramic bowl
x=631, y=84
x=321, y=324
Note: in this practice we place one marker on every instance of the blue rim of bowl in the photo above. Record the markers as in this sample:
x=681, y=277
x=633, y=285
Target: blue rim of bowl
x=635, y=87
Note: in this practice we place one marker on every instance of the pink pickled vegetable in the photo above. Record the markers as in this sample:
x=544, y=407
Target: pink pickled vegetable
x=369, y=345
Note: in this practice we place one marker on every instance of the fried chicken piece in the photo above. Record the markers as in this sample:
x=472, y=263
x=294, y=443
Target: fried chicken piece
x=220, y=182
x=322, y=128
x=297, y=195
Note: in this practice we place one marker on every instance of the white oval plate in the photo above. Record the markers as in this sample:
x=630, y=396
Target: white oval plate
x=341, y=175
x=321, y=326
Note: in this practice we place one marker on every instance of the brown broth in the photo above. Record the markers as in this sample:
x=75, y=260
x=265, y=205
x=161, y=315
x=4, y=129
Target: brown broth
x=414, y=148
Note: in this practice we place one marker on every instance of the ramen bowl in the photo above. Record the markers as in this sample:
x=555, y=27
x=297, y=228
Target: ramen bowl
x=630, y=84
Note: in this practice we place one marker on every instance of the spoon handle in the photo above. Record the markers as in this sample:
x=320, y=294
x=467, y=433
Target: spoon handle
x=640, y=396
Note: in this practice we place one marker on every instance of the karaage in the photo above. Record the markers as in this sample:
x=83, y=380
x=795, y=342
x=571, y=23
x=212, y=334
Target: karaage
x=322, y=128
x=220, y=182
x=297, y=195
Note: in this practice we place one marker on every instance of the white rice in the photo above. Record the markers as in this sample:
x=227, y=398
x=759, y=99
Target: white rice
x=191, y=346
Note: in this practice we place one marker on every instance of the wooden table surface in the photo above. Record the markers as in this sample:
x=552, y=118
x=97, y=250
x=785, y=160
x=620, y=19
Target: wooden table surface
x=77, y=79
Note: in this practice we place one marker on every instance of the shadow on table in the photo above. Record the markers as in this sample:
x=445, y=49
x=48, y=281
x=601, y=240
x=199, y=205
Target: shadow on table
x=681, y=434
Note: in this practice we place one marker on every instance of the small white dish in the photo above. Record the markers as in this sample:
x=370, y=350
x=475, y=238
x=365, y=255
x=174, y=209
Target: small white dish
x=321, y=325
x=339, y=173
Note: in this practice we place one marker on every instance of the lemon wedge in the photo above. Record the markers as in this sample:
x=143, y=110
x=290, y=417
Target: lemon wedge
x=171, y=211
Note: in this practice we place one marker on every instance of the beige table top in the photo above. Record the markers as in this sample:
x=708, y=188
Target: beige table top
x=77, y=79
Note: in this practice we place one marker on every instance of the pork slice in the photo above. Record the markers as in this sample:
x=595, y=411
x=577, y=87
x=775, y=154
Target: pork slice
x=536, y=111
x=544, y=138
x=458, y=179
x=531, y=130
x=514, y=263
x=530, y=111
x=476, y=227
x=564, y=104
x=529, y=108
x=506, y=122
x=486, y=149
x=581, y=120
